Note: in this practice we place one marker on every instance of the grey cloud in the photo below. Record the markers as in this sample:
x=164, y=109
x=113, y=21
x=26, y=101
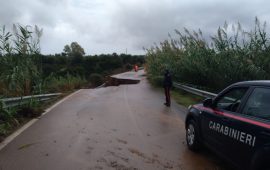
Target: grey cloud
x=152, y=23
x=105, y=26
x=9, y=12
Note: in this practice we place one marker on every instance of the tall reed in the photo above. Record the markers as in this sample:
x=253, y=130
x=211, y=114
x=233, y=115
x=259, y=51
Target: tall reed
x=19, y=72
x=230, y=55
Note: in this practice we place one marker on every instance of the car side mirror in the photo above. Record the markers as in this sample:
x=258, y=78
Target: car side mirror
x=208, y=102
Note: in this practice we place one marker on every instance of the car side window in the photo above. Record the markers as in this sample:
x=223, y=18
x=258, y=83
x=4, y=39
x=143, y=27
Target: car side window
x=231, y=100
x=258, y=104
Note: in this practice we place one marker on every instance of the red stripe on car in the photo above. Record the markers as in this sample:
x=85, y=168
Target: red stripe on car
x=233, y=116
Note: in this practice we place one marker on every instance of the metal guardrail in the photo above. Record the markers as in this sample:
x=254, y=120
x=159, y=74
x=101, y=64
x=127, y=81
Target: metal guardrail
x=17, y=101
x=194, y=91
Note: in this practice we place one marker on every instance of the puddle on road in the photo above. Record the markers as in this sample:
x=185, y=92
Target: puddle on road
x=167, y=164
x=202, y=160
x=113, y=164
x=26, y=145
x=122, y=141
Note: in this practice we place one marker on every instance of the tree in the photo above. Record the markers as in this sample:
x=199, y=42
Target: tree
x=67, y=50
x=74, y=50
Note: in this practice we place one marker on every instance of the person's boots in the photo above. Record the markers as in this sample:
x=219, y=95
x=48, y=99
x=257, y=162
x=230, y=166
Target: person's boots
x=167, y=104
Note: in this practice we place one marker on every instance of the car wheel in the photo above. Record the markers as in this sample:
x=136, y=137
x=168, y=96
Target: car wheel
x=192, y=137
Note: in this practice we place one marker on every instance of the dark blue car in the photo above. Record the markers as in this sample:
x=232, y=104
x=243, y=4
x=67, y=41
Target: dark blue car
x=235, y=125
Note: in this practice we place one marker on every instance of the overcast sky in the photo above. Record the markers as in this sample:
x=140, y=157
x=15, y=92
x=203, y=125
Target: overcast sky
x=107, y=26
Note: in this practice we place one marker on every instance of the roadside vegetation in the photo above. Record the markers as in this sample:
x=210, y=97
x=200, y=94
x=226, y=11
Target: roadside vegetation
x=231, y=55
x=24, y=71
x=184, y=98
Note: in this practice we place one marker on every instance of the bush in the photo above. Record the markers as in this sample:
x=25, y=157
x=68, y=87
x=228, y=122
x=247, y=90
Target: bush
x=96, y=79
x=7, y=116
x=63, y=83
x=156, y=80
x=31, y=109
x=128, y=67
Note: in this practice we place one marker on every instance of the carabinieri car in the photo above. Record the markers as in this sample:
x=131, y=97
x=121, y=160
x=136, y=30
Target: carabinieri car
x=235, y=125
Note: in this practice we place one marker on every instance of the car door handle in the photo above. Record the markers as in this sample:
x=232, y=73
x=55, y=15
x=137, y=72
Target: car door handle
x=226, y=118
x=265, y=133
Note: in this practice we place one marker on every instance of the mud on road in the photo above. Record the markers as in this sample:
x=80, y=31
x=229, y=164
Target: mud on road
x=124, y=127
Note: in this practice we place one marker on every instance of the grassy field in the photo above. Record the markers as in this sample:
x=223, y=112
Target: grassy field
x=185, y=98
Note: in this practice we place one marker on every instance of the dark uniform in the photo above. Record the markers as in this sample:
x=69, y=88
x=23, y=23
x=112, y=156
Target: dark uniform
x=167, y=84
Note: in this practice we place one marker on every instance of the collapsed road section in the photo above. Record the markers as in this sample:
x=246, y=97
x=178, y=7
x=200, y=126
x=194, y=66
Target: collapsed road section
x=125, y=78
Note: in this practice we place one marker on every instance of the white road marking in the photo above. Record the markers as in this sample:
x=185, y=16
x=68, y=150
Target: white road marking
x=31, y=122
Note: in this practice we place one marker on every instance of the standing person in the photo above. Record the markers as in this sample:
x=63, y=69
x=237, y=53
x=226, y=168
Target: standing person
x=135, y=67
x=167, y=85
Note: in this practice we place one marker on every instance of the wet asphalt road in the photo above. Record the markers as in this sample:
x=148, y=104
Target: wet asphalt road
x=117, y=127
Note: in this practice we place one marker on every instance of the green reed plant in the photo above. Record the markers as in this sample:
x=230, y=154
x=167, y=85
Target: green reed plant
x=7, y=115
x=19, y=51
x=231, y=55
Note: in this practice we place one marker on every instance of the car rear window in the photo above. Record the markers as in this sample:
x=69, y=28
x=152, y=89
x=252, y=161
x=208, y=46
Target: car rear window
x=231, y=100
x=258, y=104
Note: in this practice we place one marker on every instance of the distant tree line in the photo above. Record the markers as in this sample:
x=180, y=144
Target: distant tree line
x=85, y=66
x=24, y=71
